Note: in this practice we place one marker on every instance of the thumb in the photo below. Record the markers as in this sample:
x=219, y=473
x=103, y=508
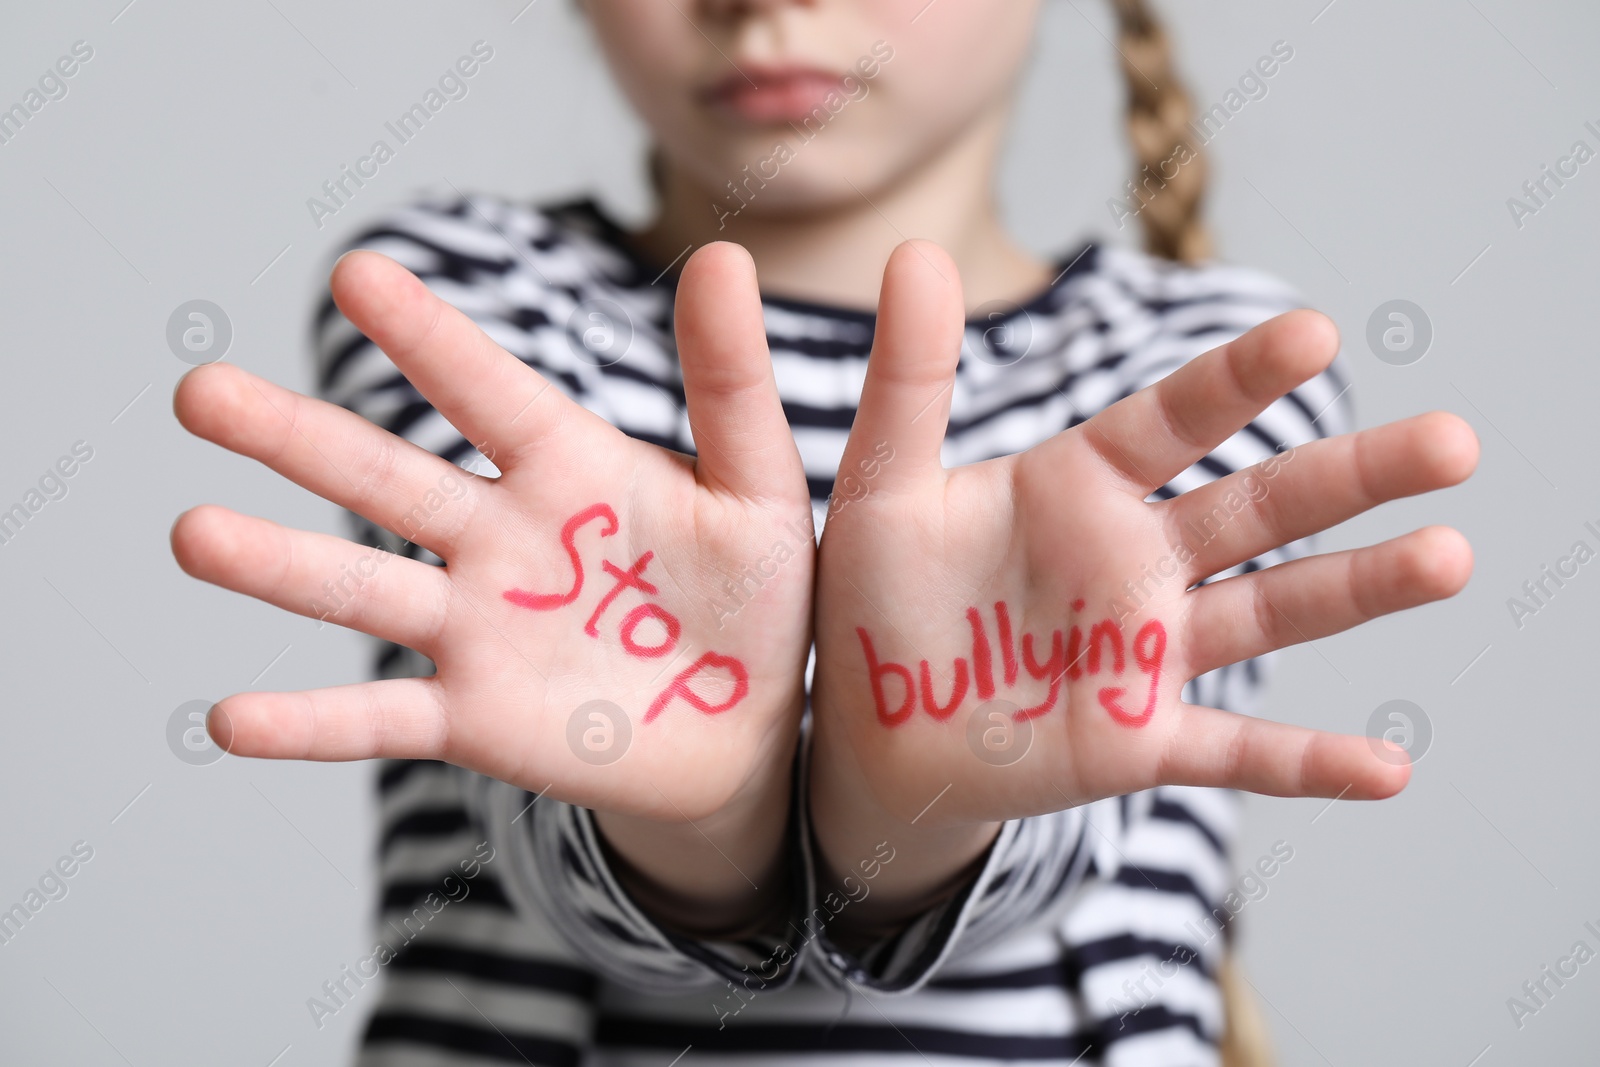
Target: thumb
x=737, y=418
x=905, y=401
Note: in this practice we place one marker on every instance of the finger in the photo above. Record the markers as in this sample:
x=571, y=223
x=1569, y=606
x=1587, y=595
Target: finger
x=315, y=575
x=740, y=431
x=494, y=399
x=1317, y=485
x=335, y=453
x=905, y=400
x=1156, y=434
x=396, y=718
x=1305, y=599
x=1210, y=747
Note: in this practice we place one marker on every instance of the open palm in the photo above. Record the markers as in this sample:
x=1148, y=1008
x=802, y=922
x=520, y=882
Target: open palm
x=1013, y=636
x=581, y=626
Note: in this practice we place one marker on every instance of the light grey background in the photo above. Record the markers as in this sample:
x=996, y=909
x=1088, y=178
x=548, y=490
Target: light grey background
x=219, y=898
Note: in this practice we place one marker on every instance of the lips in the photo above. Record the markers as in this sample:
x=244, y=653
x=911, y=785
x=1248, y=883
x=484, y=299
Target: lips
x=773, y=95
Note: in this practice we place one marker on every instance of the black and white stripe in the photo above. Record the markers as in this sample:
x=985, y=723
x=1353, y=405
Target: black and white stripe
x=547, y=961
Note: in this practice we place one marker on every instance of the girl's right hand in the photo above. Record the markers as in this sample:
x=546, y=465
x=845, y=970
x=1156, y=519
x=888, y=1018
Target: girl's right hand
x=586, y=592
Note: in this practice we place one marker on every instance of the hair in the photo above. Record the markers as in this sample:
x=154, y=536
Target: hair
x=1244, y=1038
x=1159, y=110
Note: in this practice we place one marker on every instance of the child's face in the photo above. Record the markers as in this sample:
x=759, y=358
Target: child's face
x=857, y=92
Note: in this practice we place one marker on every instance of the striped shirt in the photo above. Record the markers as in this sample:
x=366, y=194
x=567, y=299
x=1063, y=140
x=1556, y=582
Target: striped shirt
x=1089, y=936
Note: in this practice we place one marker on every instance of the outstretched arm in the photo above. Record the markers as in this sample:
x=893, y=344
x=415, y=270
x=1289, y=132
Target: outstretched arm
x=1041, y=600
x=579, y=591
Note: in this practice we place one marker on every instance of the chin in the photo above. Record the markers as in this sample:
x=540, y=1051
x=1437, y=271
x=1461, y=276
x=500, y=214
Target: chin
x=775, y=184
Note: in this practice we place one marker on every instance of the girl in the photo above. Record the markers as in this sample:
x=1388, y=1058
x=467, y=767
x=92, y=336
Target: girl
x=669, y=781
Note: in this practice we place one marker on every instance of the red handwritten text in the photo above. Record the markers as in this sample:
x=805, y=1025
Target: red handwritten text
x=661, y=629
x=1074, y=653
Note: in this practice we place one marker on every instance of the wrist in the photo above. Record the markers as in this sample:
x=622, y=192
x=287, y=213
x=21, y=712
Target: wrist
x=855, y=816
x=718, y=875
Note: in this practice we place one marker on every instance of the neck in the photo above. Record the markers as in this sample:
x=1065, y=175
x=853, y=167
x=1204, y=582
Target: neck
x=836, y=254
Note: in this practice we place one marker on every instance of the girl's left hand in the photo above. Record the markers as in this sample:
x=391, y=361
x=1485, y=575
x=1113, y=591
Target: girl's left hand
x=1012, y=637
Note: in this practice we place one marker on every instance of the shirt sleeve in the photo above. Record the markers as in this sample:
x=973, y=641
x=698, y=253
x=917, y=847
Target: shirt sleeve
x=557, y=873
x=1030, y=866
x=1133, y=865
x=552, y=867
x=1150, y=930
x=460, y=973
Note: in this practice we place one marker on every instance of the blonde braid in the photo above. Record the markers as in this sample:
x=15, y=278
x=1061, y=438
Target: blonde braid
x=1245, y=1042
x=1170, y=173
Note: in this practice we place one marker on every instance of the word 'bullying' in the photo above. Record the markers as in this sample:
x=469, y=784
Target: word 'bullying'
x=1073, y=654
